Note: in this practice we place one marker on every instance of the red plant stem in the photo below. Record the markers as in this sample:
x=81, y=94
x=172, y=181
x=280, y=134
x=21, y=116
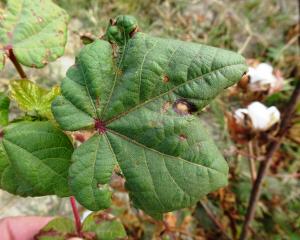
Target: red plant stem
x=17, y=65
x=264, y=166
x=76, y=216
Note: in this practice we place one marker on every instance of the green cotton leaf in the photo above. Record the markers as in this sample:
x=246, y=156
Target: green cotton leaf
x=2, y=60
x=33, y=99
x=60, y=228
x=4, y=109
x=34, y=159
x=105, y=226
x=36, y=31
x=93, y=163
x=141, y=106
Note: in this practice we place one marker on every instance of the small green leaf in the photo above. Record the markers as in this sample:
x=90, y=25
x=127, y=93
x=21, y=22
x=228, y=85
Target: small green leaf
x=92, y=165
x=106, y=226
x=36, y=30
x=2, y=60
x=58, y=229
x=4, y=109
x=31, y=98
x=142, y=103
x=34, y=159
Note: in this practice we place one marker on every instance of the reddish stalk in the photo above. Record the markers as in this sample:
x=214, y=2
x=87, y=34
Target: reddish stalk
x=17, y=65
x=76, y=216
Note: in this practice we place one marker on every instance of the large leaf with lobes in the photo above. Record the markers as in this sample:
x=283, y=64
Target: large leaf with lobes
x=34, y=159
x=36, y=31
x=141, y=105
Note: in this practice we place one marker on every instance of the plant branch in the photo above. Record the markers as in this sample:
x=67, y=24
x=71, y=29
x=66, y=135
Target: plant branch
x=251, y=162
x=214, y=219
x=76, y=216
x=17, y=65
x=264, y=166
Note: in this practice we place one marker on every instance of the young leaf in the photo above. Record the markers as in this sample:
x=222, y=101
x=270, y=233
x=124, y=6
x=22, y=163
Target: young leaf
x=33, y=99
x=106, y=227
x=34, y=159
x=4, y=109
x=97, y=226
x=60, y=228
x=36, y=30
x=141, y=103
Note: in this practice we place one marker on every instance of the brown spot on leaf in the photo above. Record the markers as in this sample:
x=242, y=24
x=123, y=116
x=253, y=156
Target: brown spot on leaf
x=184, y=107
x=166, y=79
x=119, y=71
x=165, y=107
x=182, y=137
x=39, y=19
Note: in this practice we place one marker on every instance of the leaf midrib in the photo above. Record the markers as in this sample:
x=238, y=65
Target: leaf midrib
x=163, y=154
x=167, y=92
x=55, y=173
x=116, y=75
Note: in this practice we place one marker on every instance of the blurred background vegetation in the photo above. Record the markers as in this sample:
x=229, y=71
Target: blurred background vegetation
x=265, y=31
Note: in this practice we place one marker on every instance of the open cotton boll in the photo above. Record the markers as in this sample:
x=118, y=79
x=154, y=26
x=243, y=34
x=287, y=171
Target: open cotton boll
x=262, y=73
x=262, y=118
x=263, y=77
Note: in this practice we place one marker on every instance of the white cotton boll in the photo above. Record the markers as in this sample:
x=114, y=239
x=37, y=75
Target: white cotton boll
x=262, y=118
x=239, y=114
x=262, y=75
x=274, y=115
x=258, y=115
